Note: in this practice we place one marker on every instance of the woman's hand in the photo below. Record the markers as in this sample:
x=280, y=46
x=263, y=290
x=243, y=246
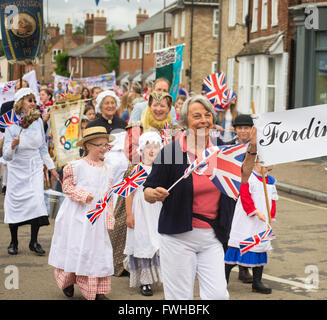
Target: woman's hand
x=261, y=216
x=15, y=143
x=89, y=198
x=54, y=174
x=159, y=194
x=130, y=222
x=253, y=136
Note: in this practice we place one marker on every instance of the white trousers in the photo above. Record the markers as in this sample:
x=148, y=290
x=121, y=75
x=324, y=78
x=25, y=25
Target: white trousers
x=189, y=254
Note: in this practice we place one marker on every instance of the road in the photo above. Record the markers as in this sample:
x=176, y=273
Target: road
x=296, y=270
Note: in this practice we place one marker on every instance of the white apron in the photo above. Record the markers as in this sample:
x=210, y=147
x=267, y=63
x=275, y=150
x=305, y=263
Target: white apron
x=143, y=241
x=243, y=226
x=78, y=246
x=25, y=187
x=117, y=160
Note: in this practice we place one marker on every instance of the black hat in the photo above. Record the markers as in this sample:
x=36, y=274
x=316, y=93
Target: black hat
x=243, y=120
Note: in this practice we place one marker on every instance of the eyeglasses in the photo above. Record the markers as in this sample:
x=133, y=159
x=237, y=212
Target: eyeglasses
x=101, y=145
x=31, y=100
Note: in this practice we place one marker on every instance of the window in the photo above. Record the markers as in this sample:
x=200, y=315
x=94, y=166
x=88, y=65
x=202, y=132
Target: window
x=215, y=22
x=255, y=16
x=245, y=10
x=274, y=12
x=264, y=14
x=176, y=26
x=54, y=53
x=147, y=44
x=159, y=41
x=140, y=49
x=183, y=24
x=122, y=50
x=271, y=85
x=128, y=49
x=134, y=49
x=232, y=13
x=230, y=73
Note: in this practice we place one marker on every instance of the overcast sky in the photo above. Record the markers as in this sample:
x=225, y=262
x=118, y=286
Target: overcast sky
x=119, y=13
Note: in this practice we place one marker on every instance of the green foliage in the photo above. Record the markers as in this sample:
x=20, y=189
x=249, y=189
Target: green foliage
x=61, y=61
x=79, y=29
x=113, y=52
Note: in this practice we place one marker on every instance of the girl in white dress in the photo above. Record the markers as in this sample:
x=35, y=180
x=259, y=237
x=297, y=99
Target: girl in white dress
x=250, y=218
x=26, y=153
x=142, y=239
x=80, y=251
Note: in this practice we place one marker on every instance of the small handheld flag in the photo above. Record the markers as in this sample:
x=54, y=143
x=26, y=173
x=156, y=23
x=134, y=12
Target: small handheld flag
x=94, y=214
x=8, y=119
x=217, y=92
x=131, y=183
x=166, y=138
x=251, y=242
x=226, y=176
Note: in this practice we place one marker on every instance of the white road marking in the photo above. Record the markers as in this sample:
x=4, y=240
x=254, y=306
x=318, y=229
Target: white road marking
x=302, y=203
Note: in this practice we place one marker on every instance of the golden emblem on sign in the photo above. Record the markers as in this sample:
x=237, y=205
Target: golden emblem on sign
x=22, y=25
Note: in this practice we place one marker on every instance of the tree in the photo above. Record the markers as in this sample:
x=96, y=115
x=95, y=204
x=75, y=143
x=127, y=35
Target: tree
x=61, y=61
x=113, y=52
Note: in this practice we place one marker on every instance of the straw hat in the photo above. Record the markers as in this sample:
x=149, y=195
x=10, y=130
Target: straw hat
x=93, y=133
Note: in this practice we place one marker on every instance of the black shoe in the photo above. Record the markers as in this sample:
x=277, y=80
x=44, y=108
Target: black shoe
x=257, y=285
x=69, y=291
x=244, y=275
x=4, y=189
x=146, y=290
x=13, y=248
x=36, y=247
x=125, y=273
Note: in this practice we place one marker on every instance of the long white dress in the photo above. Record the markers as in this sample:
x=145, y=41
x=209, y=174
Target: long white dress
x=244, y=226
x=25, y=185
x=78, y=246
x=143, y=240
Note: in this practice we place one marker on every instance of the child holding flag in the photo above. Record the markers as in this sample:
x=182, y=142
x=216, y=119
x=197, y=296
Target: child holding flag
x=80, y=251
x=250, y=219
x=142, y=240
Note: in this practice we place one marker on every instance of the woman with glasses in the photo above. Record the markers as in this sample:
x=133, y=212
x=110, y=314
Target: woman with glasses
x=26, y=152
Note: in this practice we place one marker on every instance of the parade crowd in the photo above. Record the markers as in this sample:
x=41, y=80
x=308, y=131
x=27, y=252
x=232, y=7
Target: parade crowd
x=152, y=235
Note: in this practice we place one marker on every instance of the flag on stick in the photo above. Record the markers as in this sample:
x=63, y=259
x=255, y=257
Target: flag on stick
x=8, y=119
x=251, y=242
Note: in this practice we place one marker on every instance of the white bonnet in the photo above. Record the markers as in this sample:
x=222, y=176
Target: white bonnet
x=148, y=137
x=23, y=92
x=104, y=94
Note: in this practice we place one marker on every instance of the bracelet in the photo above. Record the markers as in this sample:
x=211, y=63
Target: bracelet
x=252, y=153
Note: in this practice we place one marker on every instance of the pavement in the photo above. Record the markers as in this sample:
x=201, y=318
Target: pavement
x=306, y=179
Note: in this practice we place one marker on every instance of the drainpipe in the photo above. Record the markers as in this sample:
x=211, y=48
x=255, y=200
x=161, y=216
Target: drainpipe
x=191, y=47
x=219, y=35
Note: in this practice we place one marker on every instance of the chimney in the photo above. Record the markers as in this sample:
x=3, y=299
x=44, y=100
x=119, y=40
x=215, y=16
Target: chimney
x=140, y=17
x=68, y=29
x=100, y=26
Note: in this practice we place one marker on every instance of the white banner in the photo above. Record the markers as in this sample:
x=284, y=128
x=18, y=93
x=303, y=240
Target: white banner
x=292, y=135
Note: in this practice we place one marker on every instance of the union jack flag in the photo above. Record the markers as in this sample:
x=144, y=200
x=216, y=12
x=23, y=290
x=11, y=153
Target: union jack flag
x=8, y=119
x=8, y=91
x=251, y=242
x=217, y=92
x=131, y=183
x=226, y=176
x=101, y=205
x=201, y=163
x=215, y=134
x=109, y=147
x=165, y=138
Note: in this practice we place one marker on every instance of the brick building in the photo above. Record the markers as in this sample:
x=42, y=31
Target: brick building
x=233, y=35
x=197, y=27
x=137, y=46
x=265, y=62
x=89, y=59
